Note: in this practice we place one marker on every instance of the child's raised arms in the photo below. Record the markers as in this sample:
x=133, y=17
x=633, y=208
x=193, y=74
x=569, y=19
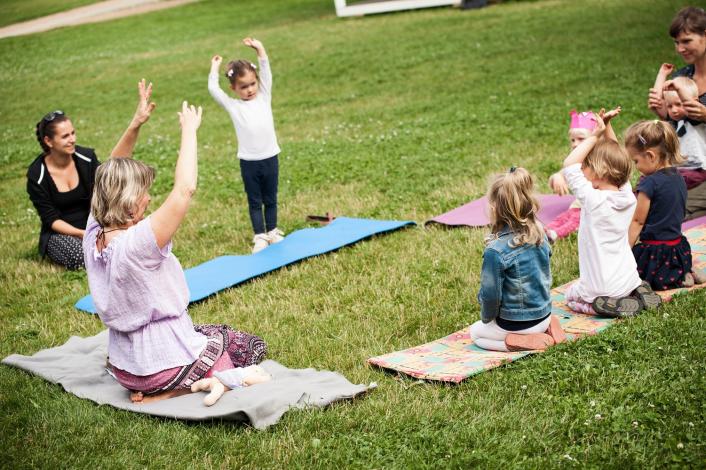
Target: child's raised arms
x=654, y=100
x=216, y=63
x=257, y=45
x=694, y=109
x=606, y=117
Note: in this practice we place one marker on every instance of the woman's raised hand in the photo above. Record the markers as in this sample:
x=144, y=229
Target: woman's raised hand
x=695, y=110
x=190, y=117
x=144, y=105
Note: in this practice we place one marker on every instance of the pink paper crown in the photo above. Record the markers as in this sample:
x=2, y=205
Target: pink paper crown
x=584, y=120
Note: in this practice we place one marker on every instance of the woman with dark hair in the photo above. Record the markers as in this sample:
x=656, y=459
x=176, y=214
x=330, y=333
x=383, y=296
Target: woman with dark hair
x=60, y=180
x=688, y=29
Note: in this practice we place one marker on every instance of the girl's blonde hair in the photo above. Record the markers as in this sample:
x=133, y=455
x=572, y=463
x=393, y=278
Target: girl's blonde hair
x=513, y=205
x=119, y=186
x=658, y=136
x=609, y=162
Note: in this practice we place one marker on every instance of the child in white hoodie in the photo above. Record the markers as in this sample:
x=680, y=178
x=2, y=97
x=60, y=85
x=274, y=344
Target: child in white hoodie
x=598, y=172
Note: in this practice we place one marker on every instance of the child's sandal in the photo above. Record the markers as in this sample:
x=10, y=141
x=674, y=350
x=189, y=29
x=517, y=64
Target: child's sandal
x=617, y=308
x=531, y=342
x=647, y=296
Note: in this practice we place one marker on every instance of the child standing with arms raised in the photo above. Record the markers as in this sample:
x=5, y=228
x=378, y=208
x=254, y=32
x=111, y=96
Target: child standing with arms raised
x=257, y=142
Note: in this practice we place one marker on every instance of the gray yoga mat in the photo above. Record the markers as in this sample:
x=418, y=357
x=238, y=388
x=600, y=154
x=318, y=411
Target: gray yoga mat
x=79, y=367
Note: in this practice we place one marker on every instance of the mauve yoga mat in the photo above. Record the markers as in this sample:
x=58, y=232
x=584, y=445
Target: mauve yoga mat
x=474, y=213
x=693, y=223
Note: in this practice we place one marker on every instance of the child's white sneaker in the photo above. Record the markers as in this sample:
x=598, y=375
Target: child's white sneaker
x=260, y=242
x=275, y=236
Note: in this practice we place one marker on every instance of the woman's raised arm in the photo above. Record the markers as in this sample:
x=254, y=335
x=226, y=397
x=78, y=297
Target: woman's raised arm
x=126, y=144
x=166, y=220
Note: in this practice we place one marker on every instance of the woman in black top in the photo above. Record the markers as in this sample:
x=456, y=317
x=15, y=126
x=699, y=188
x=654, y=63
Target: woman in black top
x=60, y=180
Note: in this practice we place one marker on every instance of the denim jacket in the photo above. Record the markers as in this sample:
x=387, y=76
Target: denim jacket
x=515, y=281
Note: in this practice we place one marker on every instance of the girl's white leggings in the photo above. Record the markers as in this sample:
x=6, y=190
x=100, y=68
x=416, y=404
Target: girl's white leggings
x=491, y=336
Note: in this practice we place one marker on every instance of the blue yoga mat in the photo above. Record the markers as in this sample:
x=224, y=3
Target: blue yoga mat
x=227, y=271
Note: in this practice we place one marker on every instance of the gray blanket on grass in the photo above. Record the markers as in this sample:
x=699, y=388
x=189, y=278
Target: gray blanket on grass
x=79, y=366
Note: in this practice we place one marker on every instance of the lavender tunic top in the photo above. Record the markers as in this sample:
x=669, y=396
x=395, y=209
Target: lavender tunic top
x=141, y=295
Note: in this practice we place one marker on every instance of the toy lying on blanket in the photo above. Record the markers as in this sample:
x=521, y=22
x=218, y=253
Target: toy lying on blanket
x=229, y=379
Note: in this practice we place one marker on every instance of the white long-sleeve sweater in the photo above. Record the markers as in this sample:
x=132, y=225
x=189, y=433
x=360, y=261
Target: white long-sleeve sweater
x=253, y=121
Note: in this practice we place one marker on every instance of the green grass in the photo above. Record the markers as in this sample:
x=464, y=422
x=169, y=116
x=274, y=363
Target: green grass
x=398, y=116
x=16, y=11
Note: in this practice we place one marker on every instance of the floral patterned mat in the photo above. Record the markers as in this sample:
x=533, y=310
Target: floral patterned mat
x=455, y=357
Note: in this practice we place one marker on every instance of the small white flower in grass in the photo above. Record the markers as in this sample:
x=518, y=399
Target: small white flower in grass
x=568, y=457
x=524, y=387
x=691, y=425
x=593, y=403
x=635, y=424
x=598, y=416
x=680, y=446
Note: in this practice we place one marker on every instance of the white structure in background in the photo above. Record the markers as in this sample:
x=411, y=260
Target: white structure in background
x=359, y=8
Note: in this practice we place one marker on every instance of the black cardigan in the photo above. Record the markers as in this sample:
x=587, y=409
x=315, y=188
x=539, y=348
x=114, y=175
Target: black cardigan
x=40, y=188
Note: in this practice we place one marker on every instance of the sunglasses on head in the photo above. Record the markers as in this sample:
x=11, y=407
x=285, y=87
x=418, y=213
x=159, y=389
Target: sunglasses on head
x=53, y=115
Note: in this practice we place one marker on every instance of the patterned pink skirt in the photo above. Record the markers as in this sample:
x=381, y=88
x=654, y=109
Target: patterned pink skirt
x=226, y=348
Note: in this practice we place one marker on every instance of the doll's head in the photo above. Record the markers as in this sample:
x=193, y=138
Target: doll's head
x=243, y=79
x=582, y=124
x=512, y=205
x=607, y=163
x=689, y=89
x=652, y=145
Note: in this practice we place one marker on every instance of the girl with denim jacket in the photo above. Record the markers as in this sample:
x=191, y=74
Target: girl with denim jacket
x=514, y=296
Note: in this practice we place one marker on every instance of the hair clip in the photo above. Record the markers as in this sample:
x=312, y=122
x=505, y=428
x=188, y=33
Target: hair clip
x=253, y=66
x=512, y=169
x=641, y=139
x=229, y=73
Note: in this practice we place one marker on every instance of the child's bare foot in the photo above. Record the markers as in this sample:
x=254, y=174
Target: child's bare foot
x=531, y=342
x=688, y=280
x=556, y=331
x=699, y=278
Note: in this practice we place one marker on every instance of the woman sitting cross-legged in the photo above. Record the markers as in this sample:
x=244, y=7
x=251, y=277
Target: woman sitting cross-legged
x=138, y=285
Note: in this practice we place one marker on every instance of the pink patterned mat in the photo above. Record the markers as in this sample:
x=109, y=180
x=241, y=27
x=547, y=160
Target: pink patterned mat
x=455, y=357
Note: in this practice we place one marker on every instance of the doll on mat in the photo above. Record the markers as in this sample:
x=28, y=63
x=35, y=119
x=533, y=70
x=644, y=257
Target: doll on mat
x=229, y=379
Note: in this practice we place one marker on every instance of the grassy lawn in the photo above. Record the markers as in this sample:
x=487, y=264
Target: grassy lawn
x=15, y=11
x=399, y=116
